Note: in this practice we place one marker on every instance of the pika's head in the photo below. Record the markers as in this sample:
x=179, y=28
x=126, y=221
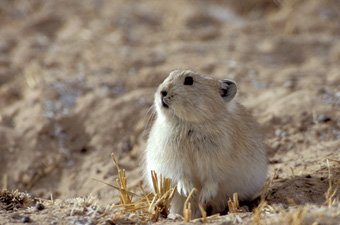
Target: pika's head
x=193, y=98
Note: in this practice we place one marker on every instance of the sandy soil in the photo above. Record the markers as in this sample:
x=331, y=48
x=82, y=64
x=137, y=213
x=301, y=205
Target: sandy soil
x=77, y=79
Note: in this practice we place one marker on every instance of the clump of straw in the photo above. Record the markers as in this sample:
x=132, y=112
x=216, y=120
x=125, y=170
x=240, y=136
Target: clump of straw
x=234, y=205
x=151, y=206
x=12, y=200
x=164, y=194
x=330, y=195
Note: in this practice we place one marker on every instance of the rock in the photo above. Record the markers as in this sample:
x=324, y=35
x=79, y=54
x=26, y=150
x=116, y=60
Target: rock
x=16, y=216
x=26, y=219
x=324, y=118
x=285, y=134
x=281, y=133
x=39, y=206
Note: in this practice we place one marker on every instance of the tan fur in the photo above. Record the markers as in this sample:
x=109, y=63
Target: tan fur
x=204, y=141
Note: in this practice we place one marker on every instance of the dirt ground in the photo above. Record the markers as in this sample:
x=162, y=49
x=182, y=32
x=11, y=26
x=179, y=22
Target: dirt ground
x=77, y=80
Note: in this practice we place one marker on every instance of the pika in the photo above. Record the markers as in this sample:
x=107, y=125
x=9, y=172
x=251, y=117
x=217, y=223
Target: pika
x=204, y=138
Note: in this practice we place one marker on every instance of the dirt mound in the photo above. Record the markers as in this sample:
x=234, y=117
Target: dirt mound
x=77, y=82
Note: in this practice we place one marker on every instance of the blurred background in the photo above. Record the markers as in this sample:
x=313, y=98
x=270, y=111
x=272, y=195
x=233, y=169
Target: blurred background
x=77, y=79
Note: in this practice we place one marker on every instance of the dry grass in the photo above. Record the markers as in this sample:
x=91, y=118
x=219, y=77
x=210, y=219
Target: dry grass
x=10, y=200
x=150, y=206
x=257, y=212
x=263, y=203
x=203, y=212
x=46, y=168
x=153, y=206
x=234, y=205
x=334, y=183
x=33, y=75
x=164, y=194
x=301, y=214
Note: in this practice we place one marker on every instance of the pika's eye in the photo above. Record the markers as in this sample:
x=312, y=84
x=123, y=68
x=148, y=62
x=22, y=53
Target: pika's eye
x=188, y=81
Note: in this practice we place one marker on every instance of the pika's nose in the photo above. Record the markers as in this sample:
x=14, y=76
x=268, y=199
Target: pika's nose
x=164, y=93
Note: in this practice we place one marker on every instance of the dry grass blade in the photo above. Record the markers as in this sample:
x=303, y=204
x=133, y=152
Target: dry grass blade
x=297, y=218
x=330, y=196
x=291, y=201
x=203, y=212
x=210, y=218
x=145, y=195
x=4, y=182
x=257, y=212
x=122, y=183
x=187, y=207
x=155, y=182
x=292, y=171
x=33, y=75
x=265, y=189
x=187, y=213
x=334, y=160
x=116, y=216
x=234, y=206
x=118, y=188
x=155, y=215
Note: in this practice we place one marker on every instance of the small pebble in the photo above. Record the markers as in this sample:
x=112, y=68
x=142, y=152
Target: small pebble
x=281, y=133
x=39, y=206
x=289, y=84
x=16, y=216
x=324, y=118
x=98, y=171
x=239, y=219
x=109, y=222
x=83, y=150
x=126, y=147
x=322, y=90
x=285, y=134
x=278, y=132
x=297, y=164
x=275, y=161
x=26, y=219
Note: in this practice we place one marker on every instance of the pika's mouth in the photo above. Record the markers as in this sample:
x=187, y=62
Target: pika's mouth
x=164, y=104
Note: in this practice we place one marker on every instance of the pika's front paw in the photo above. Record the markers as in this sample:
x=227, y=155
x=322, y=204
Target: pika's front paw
x=184, y=187
x=208, y=192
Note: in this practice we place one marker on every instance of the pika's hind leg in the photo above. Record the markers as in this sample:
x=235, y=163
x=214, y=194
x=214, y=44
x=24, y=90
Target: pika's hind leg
x=208, y=192
x=177, y=206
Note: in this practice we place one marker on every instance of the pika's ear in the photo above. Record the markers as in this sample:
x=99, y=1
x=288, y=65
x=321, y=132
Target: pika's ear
x=228, y=89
